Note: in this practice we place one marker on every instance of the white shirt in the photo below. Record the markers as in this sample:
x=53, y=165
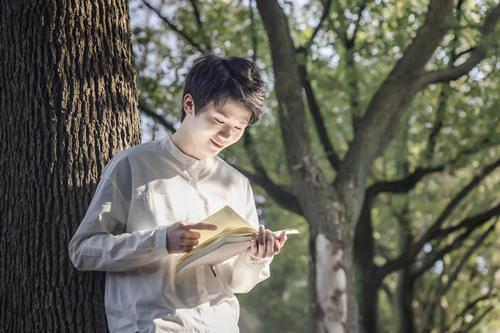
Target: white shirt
x=143, y=190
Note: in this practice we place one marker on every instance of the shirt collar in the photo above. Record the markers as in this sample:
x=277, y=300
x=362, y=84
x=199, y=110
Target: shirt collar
x=189, y=163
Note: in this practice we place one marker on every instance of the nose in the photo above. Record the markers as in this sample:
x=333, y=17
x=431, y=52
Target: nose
x=225, y=133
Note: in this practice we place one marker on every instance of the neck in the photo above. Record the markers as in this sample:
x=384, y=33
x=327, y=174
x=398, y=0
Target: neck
x=182, y=140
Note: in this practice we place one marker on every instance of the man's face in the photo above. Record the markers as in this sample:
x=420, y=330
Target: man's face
x=215, y=127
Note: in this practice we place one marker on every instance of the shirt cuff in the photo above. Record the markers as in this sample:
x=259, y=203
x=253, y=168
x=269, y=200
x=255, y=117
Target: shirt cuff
x=161, y=239
x=250, y=261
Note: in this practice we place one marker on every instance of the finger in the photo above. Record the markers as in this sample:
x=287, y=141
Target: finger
x=277, y=246
x=269, y=243
x=253, y=248
x=253, y=243
x=261, y=237
x=180, y=247
x=187, y=248
x=261, y=246
x=191, y=235
x=183, y=224
x=201, y=226
x=189, y=242
x=282, y=238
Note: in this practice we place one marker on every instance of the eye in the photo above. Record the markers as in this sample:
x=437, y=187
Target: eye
x=239, y=128
x=218, y=121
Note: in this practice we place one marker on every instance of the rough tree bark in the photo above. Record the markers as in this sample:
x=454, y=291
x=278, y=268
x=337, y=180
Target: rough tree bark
x=67, y=104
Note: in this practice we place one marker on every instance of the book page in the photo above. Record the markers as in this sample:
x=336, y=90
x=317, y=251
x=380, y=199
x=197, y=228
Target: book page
x=226, y=218
x=215, y=253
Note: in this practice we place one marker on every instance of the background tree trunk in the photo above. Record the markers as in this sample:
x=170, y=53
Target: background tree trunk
x=328, y=216
x=67, y=104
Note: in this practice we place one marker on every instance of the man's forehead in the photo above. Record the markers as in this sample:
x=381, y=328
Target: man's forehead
x=233, y=110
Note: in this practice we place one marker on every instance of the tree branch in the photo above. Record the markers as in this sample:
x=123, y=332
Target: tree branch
x=443, y=289
x=157, y=117
x=453, y=73
x=477, y=320
x=402, y=185
x=282, y=195
x=472, y=304
x=469, y=222
x=438, y=122
x=478, y=54
x=434, y=256
x=387, y=291
x=174, y=28
x=377, y=127
x=458, y=55
x=351, y=70
x=350, y=42
x=408, y=256
x=324, y=16
x=303, y=169
x=254, y=34
x=456, y=200
x=196, y=13
x=319, y=122
x=454, y=42
x=483, y=144
x=407, y=183
x=254, y=157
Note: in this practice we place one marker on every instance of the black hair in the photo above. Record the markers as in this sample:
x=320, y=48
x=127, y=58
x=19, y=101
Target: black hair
x=214, y=79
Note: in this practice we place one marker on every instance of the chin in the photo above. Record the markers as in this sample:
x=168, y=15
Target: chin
x=212, y=152
x=215, y=152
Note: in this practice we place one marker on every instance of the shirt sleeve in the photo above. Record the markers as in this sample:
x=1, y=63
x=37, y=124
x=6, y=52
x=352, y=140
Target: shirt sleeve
x=246, y=272
x=100, y=242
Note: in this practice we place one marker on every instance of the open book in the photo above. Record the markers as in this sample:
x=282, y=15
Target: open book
x=232, y=237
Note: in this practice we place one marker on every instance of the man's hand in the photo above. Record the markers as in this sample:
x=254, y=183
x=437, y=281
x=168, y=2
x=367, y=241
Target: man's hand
x=181, y=237
x=266, y=244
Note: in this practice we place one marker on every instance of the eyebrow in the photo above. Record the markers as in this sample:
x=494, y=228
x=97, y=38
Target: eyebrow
x=220, y=111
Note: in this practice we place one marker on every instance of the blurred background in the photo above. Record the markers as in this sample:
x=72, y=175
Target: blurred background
x=446, y=146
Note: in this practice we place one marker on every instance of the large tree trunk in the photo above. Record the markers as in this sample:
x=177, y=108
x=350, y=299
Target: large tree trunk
x=67, y=104
x=329, y=210
x=331, y=272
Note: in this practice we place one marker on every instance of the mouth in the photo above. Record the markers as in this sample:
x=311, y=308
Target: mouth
x=216, y=144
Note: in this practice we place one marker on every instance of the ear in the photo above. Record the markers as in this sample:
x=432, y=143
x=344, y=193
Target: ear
x=188, y=104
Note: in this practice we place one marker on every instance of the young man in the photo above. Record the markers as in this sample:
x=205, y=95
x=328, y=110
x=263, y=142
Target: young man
x=147, y=207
